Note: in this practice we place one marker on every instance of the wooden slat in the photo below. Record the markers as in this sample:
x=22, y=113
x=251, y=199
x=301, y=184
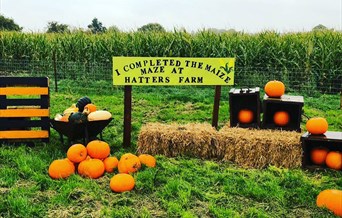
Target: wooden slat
x=17, y=81
x=24, y=91
x=24, y=113
x=16, y=123
x=24, y=134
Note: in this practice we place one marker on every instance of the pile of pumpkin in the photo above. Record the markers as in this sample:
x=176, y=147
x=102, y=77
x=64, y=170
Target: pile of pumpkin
x=83, y=111
x=94, y=160
x=322, y=155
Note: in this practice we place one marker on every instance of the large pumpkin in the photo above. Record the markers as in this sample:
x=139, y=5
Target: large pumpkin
x=317, y=125
x=274, y=89
x=92, y=168
x=99, y=115
x=60, y=169
x=122, y=182
x=129, y=163
x=98, y=149
x=330, y=199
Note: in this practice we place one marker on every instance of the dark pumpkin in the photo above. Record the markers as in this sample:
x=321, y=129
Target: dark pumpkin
x=78, y=118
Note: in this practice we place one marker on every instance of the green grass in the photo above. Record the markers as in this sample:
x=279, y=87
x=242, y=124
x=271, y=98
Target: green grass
x=177, y=187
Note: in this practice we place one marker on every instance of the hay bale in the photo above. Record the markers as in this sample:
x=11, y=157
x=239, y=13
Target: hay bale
x=194, y=139
x=260, y=148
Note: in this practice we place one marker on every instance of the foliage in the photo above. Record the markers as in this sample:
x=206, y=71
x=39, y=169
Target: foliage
x=55, y=27
x=96, y=26
x=152, y=27
x=8, y=24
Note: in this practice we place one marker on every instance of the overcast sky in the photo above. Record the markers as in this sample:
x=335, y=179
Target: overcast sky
x=242, y=15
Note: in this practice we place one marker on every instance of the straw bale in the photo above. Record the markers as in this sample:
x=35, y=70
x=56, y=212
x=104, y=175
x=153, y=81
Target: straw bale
x=259, y=148
x=193, y=139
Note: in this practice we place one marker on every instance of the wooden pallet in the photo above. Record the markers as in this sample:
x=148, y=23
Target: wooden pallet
x=24, y=109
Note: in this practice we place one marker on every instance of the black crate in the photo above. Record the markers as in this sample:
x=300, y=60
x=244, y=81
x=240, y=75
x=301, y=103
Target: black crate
x=244, y=99
x=330, y=140
x=291, y=104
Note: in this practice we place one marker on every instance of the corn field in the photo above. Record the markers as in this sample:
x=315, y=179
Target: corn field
x=306, y=62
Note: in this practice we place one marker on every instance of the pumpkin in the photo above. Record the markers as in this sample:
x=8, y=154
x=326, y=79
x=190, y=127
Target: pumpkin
x=98, y=149
x=89, y=108
x=281, y=118
x=318, y=155
x=70, y=110
x=60, y=169
x=245, y=116
x=110, y=164
x=274, y=89
x=92, y=168
x=129, y=163
x=330, y=199
x=99, y=115
x=147, y=160
x=77, y=153
x=78, y=118
x=82, y=102
x=334, y=160
x=317, y=125
x=122, y=183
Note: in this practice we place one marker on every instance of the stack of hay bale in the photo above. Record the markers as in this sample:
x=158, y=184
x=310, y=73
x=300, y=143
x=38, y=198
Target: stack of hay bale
x=245, y=147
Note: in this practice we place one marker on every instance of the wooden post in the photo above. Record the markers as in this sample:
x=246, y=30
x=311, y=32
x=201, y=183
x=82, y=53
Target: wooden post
x=127, y=117
x=216, y=106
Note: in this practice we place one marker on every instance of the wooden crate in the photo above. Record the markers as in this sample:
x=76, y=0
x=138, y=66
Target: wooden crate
x=24, y=109
x=330, y=140
x=244, y=99
x=291, y=104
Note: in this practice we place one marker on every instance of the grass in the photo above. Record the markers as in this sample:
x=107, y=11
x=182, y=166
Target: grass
x=177, y=187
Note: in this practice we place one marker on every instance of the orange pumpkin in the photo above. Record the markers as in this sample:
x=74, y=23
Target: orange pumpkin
x=129, y=163
x=274, y=89
x=317, y=125
x=334, y=160
x=92, y=168
x=76, y=153
x=122, y=182
x=318, y=155
x=245, y=116
x=281, y=118
x=89, y=108
x=330, y=199
x=60, y=169
x=110, y=164
x=147, y=160
x=98, y=149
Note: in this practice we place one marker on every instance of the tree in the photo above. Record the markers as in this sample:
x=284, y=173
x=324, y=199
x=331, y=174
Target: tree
x=8, y=24
x=55, y=27
x=113, y=29
x=96, y=26
x=154, y=27
x=319, y=27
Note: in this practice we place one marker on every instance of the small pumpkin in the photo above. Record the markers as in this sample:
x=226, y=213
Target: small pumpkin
x=274, y=89
x=281, y=118
x=317, y=125
x=89, y=108
x=77, y=153
x=318, y=155
x=110, y=164
x=147, y=160
x=129, y=163
x=60, y=169
x=333, y=160
x=99, y=115
x=245, y=116
x=98, y=149
x=331, y=199
x=70, y=110
x=92, y=168
x=78, y=118
x=122, y=182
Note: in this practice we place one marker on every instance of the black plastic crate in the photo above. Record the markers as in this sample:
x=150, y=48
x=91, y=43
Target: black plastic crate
x=330, y=140
x=239, y=99
x=291, y=104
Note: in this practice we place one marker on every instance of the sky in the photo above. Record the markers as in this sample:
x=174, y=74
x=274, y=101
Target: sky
x=242, y=15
